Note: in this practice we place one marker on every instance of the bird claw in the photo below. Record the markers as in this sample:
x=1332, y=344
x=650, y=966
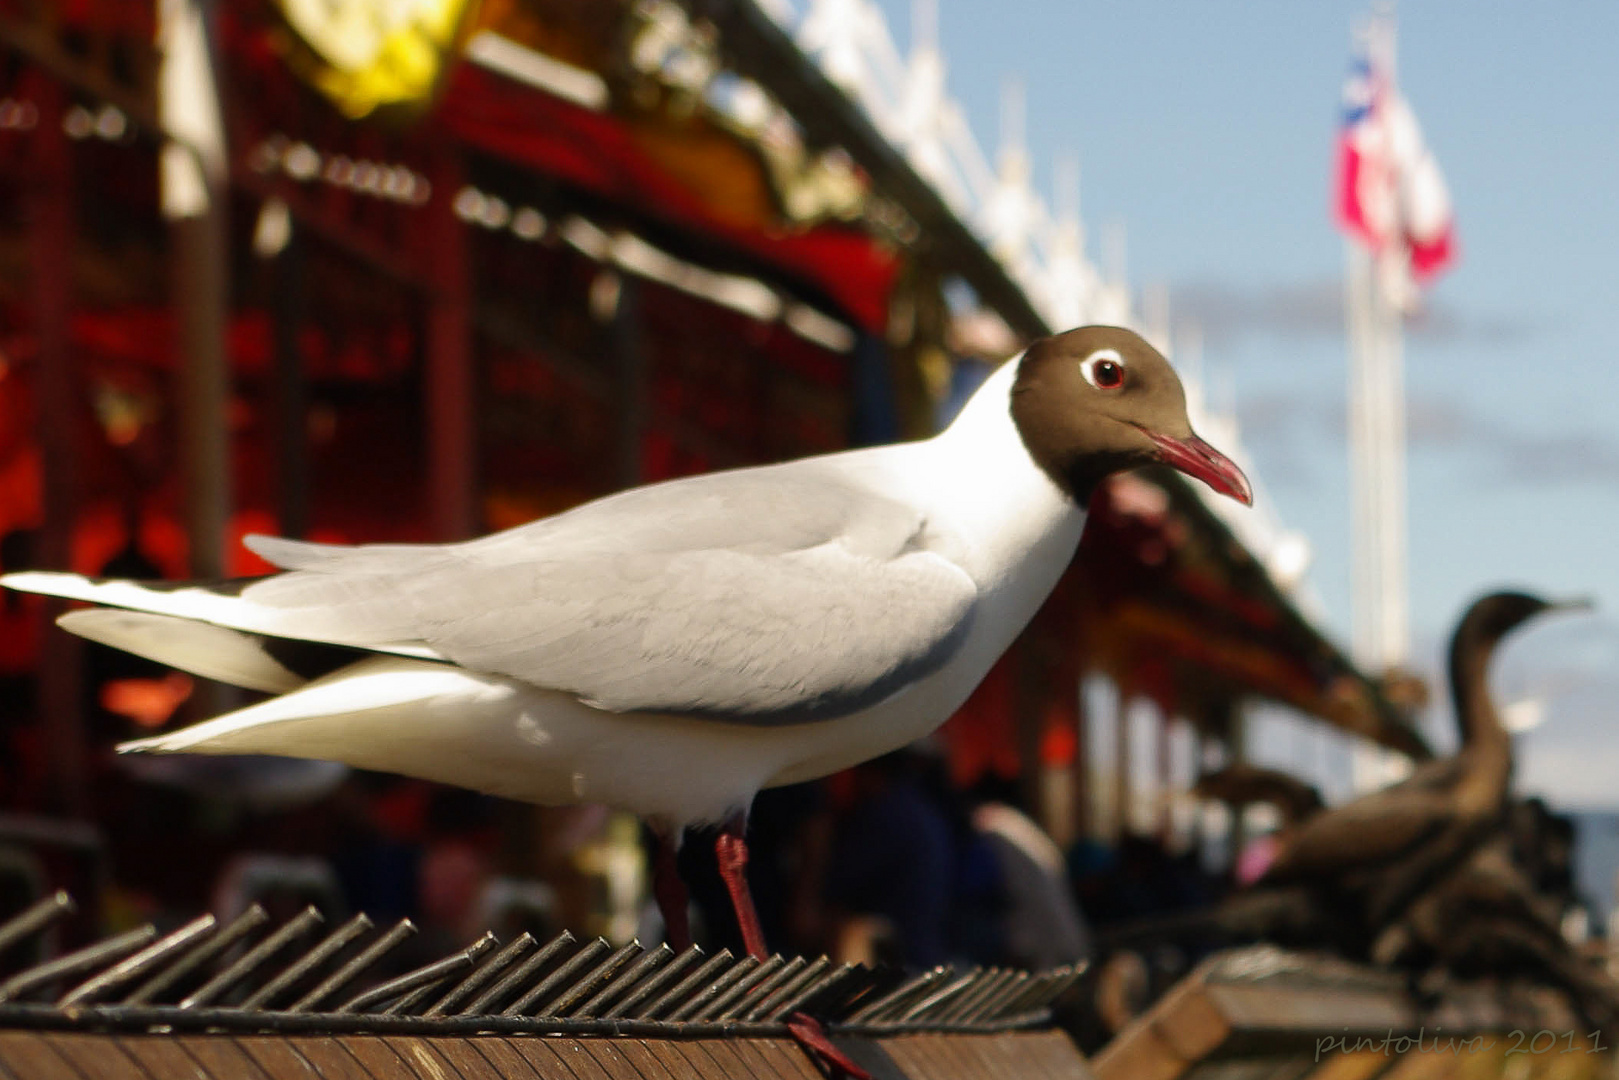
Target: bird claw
x=808, y=1033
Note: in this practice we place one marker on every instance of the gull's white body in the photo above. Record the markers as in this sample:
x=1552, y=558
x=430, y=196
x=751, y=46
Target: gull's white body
x=989, y=510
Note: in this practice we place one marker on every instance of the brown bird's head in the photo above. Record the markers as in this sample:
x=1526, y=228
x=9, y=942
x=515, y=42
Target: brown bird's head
x=1098, y=400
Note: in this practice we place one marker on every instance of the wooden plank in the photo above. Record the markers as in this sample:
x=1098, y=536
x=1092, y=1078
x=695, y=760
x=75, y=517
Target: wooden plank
x=542, y=1057
x=610, y=1056
x=30, y=1055
x=377, y=1056
x=1051, y=1053
x=677, y=1064
x=1349, y=1065
x=573, y=1055
x=330, y=1060
x=94, y=1056
x=163, y=1057
x=504, y=1058
x=219, y=1056
x=420, y=1054
x=464, y=1058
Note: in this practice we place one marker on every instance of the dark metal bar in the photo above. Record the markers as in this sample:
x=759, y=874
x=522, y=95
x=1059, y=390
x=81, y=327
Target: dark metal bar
x=598, y=976
x=36, y=917
x=624, y=981
x=135, y=966
x=688, y=985
x=340, y=978
x=562, y=976
x=481, y=975
x=657, y=982
x=81, y=960
x=742, y=969
x=785, y=990
x=809, y=990
x=239, y=927
x=295, y=927
x=148, y=1017
x=424, y=978
x=762, y=990
x=309, y=961
x=519, y=975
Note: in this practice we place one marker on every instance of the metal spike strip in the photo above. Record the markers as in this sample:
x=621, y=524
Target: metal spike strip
x=36, y=917
x=133, y=967
x=238, y=928
x=423, y=980
x=482, y=1005
x=564, y=986
x=309, y=961
x=481, y=975
x=295, y=927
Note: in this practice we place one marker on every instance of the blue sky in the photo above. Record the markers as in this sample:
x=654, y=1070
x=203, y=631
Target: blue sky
x=1207, y=130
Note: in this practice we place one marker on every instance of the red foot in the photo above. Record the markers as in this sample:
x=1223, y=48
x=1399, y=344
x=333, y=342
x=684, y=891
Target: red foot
x=808, y=1033
x=731, y=851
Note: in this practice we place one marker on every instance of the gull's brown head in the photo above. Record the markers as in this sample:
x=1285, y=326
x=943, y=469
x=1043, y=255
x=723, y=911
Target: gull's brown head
x=1098, y=400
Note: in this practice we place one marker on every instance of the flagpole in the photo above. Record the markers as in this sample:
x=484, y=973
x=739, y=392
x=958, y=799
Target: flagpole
x=1374, y=285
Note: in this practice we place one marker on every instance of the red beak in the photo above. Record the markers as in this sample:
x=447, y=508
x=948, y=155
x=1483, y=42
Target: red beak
x=1199, y=460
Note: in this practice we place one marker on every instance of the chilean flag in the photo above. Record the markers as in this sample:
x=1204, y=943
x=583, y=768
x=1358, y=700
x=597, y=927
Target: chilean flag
x=1390, y=190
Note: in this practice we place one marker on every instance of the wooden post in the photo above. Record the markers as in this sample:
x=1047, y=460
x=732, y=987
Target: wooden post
x=630, y=374
x=57, y=412
x=449, y=382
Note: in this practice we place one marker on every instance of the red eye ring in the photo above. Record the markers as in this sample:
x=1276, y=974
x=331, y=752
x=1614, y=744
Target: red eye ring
x=1103, y=369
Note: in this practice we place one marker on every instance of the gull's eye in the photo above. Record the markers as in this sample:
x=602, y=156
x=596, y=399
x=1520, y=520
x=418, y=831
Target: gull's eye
x=1103, y=369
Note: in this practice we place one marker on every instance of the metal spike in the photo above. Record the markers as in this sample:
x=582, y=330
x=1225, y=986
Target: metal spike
x=737, y=992
x=135, y=966
x=688, y=985
x=742, y=969
x=915, y=987
x=36, y=917
x=328, y=986
x=933, y=1002
x=996, y=1003
x=424, y=978
x=481, y=975
x=81, y=960
x=296, y=927
x=966, y=1006
x=763, y=990
x=404, y=1005
x=548, y=986
x=522, y=973
x=592, y=982
x=657, y=982
x=308, y=962
x=217, y=943
x=810, y=990
x=624, y=981
x=772, y=999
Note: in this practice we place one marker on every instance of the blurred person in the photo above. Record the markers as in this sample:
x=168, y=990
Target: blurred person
x=1041, y=925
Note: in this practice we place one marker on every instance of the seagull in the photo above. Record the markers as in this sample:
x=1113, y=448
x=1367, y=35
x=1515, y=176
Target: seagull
x=674, y=648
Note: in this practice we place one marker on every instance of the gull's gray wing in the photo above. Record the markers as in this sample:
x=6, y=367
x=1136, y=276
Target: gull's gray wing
x=774, y=595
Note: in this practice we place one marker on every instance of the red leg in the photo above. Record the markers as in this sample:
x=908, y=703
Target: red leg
x=808, y=1033
x=670, y=892
x=731, y=850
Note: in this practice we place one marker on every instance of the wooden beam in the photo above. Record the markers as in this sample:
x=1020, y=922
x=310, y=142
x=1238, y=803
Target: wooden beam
x=449, y=384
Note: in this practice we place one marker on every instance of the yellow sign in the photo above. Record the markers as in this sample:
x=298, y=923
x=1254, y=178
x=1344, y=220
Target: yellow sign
x=364, y=54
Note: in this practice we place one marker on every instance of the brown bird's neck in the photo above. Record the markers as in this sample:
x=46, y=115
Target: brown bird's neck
x=1485, y=741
